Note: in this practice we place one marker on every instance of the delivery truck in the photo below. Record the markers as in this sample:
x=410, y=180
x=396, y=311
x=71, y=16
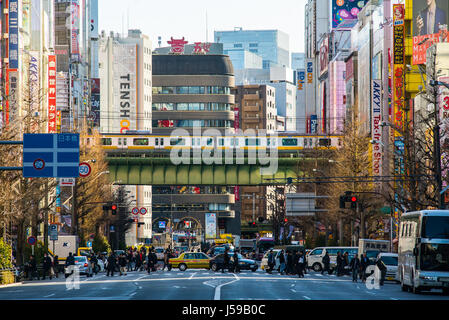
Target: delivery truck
x=373, y=247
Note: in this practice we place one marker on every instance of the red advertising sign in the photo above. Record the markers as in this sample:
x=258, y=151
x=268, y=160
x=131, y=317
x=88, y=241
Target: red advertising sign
x=177, y=45
x=52, y=116
x=422, y=43
x=201, y=47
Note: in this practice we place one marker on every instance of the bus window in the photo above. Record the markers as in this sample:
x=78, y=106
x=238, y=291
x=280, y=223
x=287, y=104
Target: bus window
x=140, y=142
x=106, y=141
x=177, y=142
x=290, y=142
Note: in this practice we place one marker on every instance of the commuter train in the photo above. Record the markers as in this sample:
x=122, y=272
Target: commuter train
x=284, y=142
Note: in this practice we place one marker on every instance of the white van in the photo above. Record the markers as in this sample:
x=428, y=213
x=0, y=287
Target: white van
x=264, y=262
x=315, y=257
x=391, y=262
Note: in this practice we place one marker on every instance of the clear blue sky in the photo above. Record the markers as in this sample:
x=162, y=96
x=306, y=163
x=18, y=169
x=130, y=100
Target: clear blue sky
x=187, y=18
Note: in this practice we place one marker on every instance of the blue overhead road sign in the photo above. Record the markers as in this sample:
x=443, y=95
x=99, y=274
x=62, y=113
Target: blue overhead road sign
x=51, y=155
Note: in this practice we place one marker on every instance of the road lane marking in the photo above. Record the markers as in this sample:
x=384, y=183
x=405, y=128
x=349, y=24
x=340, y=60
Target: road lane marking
x=293, y=290
x=217, y=295
x=50, y=295
x=133, y=294
x=306, y=297
x=190, y=278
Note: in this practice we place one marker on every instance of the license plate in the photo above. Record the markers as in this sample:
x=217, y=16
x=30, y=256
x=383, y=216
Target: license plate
x=390, y=278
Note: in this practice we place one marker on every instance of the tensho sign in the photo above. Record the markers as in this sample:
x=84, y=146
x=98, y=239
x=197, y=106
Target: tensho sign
x=376, y=126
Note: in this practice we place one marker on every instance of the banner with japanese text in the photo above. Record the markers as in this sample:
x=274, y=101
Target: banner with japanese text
x=52, y=94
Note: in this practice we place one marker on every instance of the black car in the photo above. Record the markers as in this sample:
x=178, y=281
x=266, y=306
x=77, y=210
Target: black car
x=217, y=263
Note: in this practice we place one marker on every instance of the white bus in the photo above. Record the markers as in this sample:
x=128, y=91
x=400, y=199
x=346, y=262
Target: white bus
x=424, y=251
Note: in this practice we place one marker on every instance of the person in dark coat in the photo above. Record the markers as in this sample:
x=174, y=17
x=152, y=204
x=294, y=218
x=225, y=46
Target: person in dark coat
x=130, y=260
x=226, y=261
x=111, y=265
x=150, y=265
x=271, y=261
x=383, y=270
x=282, y=262
x=345, y=262
x=326, y=262
x=339, y=264
x=47, y=264
x=122, y=263
x=166, y=259
x=56, y=265
x=236, y=261
x=31, y=268
x=355, y=266
x=364, y=263
x=289, y=263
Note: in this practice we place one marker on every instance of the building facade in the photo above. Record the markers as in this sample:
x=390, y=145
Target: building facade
x=125, y=105
x=193, y=92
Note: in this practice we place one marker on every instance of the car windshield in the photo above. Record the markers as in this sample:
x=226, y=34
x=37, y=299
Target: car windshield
x=159, y=250
x=372, y=254
x=435, y=257
x=390, y=260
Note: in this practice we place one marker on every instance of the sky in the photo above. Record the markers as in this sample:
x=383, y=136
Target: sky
x=187, y=18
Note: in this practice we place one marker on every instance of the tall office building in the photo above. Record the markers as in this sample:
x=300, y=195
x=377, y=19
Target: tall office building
x=192, y=92
x=256, y=105
x=271, y=45
x=125, y=104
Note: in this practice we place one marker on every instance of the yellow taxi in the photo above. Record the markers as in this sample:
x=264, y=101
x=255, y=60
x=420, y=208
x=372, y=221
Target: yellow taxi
x=194, y=260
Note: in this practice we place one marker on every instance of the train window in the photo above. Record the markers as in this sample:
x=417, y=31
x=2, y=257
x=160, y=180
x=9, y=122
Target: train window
x=305, y=142
x=119, y=141
x=271, y=142
x=221, y=142
x=177, y=142
x=210, y=141
x=235, y=142
x=310, y=142
x=249, y=142
x=290, y=142
x=157, y=141
x=141, y=142
x=324, y=142
x=106, y=141
x=125, y=141
x=339, y=142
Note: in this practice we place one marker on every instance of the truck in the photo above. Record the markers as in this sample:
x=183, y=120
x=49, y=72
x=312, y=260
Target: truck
x=372, y=248
x=63, y=246
x=247, y=246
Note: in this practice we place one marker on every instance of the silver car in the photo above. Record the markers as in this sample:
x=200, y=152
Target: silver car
x=84, y=266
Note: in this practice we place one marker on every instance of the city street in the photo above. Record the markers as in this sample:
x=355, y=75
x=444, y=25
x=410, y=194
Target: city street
x=208, y=285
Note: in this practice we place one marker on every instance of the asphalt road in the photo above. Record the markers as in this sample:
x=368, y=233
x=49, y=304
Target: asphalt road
x=207, y=285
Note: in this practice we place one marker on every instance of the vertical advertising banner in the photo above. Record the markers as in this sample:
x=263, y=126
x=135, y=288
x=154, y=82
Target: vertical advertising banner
x=398, y=98
x=313, y=124
x=13, y=37
x=125, y=86
x=443, y=106
x=376, y=129
x=301, y=77
x=211, y=225
x=75, y=22
x=93, y=19
x=310, y=89
x=398, y=65
x=95, y=102
x=52, y=94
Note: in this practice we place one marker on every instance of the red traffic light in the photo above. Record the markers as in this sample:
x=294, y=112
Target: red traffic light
x=254, y=223
x=114, y=207
x=285, y=220
x=354, y=199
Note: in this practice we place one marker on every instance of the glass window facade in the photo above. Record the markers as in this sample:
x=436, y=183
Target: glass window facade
x=191, y=90
x=194, y=106
x=192, y=123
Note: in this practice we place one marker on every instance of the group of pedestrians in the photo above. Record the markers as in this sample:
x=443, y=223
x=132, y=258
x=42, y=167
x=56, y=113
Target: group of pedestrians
x=290, y=263
x=50, y=268
x=133, y=260
x=234, y=267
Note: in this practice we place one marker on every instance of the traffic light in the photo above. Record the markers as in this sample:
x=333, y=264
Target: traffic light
x=354, y=202
x=114, y=209
x=285, y=220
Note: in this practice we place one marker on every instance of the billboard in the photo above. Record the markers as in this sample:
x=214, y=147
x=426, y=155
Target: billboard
x=93, y=19
x=310, y=88
x=429, y=16
x=211, y=225
x=430, y=20
x=324, y=55
x=75, y=23
x=124, y=87
x=345, y=10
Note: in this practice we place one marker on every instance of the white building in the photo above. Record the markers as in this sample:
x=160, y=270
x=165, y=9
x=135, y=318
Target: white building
x=125, y=104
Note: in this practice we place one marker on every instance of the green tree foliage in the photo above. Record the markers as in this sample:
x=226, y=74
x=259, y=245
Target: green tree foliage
x=5, y=255
x=100, y=244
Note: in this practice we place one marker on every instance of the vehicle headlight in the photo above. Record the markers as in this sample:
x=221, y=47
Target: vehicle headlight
x=428, y=278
